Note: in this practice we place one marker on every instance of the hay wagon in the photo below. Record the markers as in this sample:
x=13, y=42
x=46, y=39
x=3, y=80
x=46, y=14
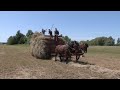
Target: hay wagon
x=43, y=46
x=59, y=41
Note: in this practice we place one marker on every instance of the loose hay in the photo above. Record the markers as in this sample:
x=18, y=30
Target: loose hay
x=42, y=46
x=102, y=72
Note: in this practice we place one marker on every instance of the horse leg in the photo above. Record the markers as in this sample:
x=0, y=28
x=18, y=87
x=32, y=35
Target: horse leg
x=60, y=58
x=66, y=60
x=67, y=57
x=56, y=56
x=77, y=56
x=70, y=57
x=86, y=50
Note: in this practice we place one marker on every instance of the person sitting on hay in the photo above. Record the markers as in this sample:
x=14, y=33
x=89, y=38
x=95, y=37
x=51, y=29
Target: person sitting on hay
x=56, y=34
x=43, y=31
x=50, y=32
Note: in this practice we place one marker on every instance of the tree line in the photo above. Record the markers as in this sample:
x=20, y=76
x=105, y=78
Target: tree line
x=103, y=41
x=99, y=41
x=20, y=38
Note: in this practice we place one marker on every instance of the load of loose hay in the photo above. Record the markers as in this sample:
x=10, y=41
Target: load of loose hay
x=42, y=47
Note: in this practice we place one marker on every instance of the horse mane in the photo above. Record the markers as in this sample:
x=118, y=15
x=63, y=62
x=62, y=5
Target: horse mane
x=76, y=43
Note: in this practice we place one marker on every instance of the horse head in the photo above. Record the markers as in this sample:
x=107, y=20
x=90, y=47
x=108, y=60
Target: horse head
x=73, y=46
x=84, y=47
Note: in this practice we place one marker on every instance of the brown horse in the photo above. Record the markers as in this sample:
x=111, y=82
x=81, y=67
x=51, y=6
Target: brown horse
x=77, y=50
x=63, y=51
x=84, y=47
x=67, y=50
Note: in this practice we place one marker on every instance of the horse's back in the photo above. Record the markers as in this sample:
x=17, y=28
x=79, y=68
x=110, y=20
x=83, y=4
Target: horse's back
x=60, y=48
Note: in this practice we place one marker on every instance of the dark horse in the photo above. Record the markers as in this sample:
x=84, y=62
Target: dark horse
x=84, y=47
x=67, y=50
x=77, y=50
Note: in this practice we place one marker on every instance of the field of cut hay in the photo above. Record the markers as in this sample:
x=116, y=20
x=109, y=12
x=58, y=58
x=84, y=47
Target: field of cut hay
x=16, y=62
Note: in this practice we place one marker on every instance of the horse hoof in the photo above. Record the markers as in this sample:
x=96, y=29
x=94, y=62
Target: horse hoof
x=66, y=62
x=76, y=61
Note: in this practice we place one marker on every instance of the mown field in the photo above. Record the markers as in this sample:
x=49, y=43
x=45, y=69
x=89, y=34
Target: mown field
x=101, y=62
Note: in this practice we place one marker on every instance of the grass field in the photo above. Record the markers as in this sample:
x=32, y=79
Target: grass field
x=100, y=62
x=104, y=49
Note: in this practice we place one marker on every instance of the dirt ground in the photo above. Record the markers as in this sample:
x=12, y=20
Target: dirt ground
x=16, y=62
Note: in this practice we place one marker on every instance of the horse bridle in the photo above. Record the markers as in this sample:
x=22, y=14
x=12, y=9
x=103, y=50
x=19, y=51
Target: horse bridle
x=71, y=47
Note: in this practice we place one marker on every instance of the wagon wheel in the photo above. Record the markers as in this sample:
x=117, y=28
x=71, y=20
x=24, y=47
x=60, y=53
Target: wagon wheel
x=77, y=57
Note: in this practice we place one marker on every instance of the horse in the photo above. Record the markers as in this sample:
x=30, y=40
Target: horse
x=84, y=47
x=63, y=51
x=67, y=50
x=77, y=51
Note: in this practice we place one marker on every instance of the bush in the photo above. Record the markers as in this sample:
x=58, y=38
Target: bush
x=23, y=40
x=12, y=40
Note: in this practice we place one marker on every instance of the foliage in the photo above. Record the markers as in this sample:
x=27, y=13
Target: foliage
x=101, y=41
x=28, y=36
x=67, y=39
x=12, y=40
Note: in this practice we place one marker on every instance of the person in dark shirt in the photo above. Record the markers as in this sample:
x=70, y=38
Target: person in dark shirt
x=50, y=32
x=43, y=31
x=56, y=36
x=56, y=31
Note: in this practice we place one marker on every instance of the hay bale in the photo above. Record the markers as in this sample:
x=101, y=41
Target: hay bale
x=36, y=34
x=42, y=47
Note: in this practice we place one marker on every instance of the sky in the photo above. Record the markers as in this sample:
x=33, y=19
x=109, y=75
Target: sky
x=78, y=25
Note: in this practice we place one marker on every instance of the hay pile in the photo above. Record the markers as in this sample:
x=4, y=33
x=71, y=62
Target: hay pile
x=42, y=46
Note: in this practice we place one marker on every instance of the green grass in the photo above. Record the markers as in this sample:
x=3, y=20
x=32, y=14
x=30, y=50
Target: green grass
x=21, y=45
x=108, y=51
x=104, y=49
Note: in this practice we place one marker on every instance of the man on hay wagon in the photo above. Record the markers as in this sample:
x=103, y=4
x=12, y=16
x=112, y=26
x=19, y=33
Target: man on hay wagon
x=56, y=35
x=50, y=32
x=43, y=31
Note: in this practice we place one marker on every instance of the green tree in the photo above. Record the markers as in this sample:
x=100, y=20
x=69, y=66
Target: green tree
x=12, y=40
x=29, y=33
x=110, y=41
x=28, y=36
x=19, y=35
x=102, y=41
x=23, y=40
x=118, y=41
x=66, y=38
x=19, y=38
